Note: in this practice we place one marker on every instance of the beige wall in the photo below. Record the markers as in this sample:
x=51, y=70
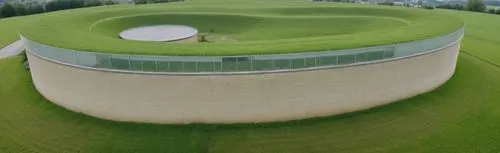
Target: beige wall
x=240, y=98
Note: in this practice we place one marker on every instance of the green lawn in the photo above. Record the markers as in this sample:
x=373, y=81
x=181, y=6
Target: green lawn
x=256, y=26
x=248, y=28
x=10, y=28
x=461, y=116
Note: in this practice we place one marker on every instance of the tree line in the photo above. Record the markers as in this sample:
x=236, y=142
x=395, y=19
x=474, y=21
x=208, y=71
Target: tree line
x=18, y=9
x=471, y=5
x=154, y=1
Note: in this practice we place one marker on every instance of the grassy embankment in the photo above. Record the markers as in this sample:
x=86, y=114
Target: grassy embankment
x=255, y=28
x=461, y=116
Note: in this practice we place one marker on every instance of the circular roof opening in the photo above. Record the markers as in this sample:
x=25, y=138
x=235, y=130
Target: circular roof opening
x=159, y=33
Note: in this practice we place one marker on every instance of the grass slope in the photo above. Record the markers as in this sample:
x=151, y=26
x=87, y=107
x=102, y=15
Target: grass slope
x=10, y=28
x=261, y=32
x=247, y=28
x=461, y=116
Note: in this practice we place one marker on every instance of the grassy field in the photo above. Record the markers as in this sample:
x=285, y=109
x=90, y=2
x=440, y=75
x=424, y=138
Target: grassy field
x=461, y=116
x=256, y=27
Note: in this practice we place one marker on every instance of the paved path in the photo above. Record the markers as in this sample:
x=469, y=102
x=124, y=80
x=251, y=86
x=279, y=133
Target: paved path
x=12, y=49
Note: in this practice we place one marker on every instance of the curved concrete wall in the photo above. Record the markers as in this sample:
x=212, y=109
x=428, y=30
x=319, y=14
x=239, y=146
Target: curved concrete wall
x=240, y=98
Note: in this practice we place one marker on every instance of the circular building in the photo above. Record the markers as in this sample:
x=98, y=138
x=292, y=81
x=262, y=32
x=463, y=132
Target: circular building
x=267, y=75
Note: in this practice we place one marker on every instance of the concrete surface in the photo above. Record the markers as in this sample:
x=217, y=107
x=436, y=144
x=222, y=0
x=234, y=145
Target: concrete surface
x=164, y=33
x=12, y=49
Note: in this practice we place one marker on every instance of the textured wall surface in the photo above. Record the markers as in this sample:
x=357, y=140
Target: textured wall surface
x=240, y=98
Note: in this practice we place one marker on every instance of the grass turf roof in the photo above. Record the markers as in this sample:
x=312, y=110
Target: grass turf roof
x=461, y=116
x=259, y=24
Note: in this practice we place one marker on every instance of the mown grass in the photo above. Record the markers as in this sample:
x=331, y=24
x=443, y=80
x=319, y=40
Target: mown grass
x=247, y=28
x=10, y=28
x=258, y=33
x=461, y=116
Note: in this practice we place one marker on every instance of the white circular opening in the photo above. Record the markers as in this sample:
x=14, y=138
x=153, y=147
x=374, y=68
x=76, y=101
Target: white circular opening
x=159, y=33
